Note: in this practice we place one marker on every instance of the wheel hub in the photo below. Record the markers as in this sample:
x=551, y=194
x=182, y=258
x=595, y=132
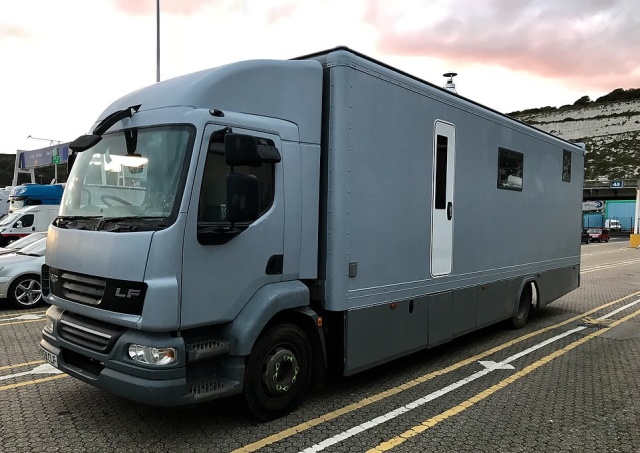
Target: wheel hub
x=280, y=371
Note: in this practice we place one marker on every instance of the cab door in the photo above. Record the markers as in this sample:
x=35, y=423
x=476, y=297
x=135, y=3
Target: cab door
x=224, y=265
x=442, y=207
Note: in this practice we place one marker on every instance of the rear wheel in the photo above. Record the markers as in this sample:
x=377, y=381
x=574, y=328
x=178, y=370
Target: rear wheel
x=278, y=372
x=524, y=308
x=26, y=292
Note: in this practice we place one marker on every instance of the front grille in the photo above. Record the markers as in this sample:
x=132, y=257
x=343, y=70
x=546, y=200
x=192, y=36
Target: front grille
x=82, y=288
x=94, y=335
x=120, y=296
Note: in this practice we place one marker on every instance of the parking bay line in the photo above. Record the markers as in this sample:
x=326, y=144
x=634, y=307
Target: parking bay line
x=45, y=368
x=30, y=313
x=35, y=381
x=18, y=365
x=489, y=367
x=607, y=266
x=388, y=445
x=21, y=322
x=255, y=446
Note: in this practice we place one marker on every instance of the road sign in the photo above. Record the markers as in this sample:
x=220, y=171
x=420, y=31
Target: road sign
x=617, y=184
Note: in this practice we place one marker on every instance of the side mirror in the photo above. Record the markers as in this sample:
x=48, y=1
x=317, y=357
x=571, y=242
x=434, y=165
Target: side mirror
x=18, y=224
x=84, y=142
x=243, y=201
x=249, y=151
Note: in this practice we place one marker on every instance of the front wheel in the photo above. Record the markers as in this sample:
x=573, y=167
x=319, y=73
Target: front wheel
x=26, y=292
x=278, y=372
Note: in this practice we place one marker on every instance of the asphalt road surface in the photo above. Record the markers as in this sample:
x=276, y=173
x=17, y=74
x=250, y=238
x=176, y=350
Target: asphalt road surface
x=569, y=381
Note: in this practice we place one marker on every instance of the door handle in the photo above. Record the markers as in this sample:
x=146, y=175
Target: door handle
x=449, y=210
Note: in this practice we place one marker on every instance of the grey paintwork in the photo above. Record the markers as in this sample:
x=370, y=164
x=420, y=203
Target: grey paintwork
x=378, y=188
x=351, y=215
x=288, y=90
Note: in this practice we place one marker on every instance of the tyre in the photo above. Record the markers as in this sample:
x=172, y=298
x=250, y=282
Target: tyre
x=524, y=308
x=25, y=292
x=278, y=372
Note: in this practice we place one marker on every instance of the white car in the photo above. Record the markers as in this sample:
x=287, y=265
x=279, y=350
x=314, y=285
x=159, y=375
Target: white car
x=21, y=243
x=20, y=275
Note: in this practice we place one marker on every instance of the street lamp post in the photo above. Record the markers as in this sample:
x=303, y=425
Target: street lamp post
x=157, y=40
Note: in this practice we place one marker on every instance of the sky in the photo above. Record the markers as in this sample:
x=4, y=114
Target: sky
x=63, y=62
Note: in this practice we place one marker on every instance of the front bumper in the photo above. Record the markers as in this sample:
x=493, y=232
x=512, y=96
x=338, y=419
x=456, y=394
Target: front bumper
x=113, y=370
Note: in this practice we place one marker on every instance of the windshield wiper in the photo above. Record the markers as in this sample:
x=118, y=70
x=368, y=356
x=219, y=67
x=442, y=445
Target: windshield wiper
x=135, y=223
x=75, y=222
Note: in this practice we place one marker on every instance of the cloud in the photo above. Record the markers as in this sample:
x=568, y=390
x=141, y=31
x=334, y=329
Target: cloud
x=177, y=7
x=271, y=13
x=11, y=31
x=590, y=42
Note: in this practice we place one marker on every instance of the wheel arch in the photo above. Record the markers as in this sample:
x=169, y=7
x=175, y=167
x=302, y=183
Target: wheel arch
x=28, y=273
x=273, y=304
x=530, y=280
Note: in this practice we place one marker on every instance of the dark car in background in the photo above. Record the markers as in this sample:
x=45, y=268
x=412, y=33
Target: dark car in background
x=585, y=236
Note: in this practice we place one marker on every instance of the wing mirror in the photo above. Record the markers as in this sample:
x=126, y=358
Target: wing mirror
x=249, y=151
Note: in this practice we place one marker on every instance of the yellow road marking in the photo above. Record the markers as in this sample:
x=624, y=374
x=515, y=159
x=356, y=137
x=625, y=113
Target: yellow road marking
x=36, y=381
x=412, y=432
x=607, y=266
x=255, y=446
x=23, y=313
x=22, y=322
x=9, y=367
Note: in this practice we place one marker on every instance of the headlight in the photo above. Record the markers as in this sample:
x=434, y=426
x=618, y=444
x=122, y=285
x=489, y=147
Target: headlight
x=48, y=325
x=151, y=355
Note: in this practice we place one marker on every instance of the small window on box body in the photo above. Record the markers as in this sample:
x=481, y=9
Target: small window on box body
x=510, y=169
x=566, y=165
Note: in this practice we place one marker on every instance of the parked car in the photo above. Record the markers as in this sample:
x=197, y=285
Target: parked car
x=585, y=236
x=599, y=234
x=20, y=275
x=21, y=243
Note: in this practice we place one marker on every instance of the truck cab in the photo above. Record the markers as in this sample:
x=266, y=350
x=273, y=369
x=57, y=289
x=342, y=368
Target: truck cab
x=31, y=194
x=173, y=243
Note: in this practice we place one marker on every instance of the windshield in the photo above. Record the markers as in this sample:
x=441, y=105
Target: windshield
x=10, y=219
x=130, y=174
x=20, y=243
x=37, y=248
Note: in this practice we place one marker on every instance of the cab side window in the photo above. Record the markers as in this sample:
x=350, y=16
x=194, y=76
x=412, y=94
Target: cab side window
x=213, y=193
x=25, y=220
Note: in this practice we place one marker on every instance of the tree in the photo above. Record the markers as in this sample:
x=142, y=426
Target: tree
x=584, y=100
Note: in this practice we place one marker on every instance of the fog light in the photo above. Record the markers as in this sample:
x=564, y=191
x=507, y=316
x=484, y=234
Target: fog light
x=151, y=355
x=48, y=325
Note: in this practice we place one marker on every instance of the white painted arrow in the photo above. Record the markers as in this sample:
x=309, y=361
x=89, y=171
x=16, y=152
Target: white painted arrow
x=491, y=365
x=40, y=369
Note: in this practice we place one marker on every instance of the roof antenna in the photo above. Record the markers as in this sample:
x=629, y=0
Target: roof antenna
x=450, y=86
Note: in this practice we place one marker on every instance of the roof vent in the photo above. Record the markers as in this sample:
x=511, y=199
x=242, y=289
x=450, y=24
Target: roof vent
x=450, y=86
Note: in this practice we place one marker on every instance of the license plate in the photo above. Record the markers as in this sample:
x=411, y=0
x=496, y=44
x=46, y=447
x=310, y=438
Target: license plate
x=49, y=357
